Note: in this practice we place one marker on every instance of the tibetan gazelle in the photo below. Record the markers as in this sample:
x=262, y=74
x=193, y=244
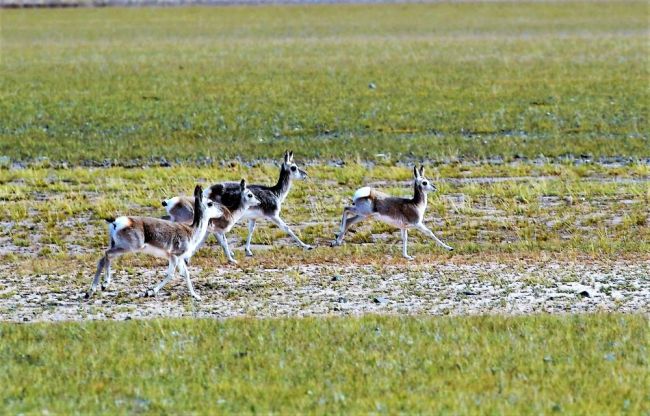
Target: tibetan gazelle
x=173, y=241
x=403, y=213
x=234, y=200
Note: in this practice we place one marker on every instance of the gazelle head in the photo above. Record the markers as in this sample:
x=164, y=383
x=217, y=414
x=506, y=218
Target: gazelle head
x=203, y=207
x=288, y=165
x=420, y=181
x=248, y=198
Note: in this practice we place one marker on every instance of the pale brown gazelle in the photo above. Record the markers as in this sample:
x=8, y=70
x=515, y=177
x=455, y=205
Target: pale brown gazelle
x=403, y=213
x=157, y=237
x=234, y=205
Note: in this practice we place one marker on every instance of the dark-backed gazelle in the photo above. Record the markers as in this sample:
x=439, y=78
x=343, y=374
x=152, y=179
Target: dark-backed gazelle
x=234, y=199
x=174, y=241
x=228, y=194
x=403, y=213
x=271, y=199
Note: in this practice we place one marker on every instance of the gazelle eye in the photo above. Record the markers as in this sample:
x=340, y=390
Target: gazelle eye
x=425, y=183
x=293, y=168
x=250, y=195
x=209, y=204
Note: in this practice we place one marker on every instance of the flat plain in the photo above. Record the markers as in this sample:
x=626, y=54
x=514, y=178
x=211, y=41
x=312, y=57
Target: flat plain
x=531, y=119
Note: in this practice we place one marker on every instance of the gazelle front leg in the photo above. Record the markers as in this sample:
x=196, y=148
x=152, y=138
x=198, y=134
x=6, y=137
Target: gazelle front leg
x=185, y=273
x=226, y=250
x=429, y=233
x=171, y=271
x=284, y=227
x=251, y=228
x=405, y=236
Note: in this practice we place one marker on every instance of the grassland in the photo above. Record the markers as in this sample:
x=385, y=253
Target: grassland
x=450, y=81
x=593, y=364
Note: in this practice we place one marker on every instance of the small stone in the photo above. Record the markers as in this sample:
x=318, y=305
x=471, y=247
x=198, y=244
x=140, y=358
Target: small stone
x=469, y=293
x=372, y=86
x=380, y=300
x=585, y=294
x=342, y=300
x=337, y=278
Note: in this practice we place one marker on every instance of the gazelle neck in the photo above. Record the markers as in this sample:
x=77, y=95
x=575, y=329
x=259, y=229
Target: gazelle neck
x=419, y=195
x=199, y=229
x=284, y=181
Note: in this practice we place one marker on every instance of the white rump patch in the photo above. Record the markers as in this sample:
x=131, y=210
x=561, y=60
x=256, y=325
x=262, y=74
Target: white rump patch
x=171, y=202
x=362, y=193
x=117, y=225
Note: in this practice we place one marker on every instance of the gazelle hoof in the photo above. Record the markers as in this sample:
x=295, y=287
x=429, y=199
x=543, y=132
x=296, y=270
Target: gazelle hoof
x=88, y=294
x=104, y=287
x=335, y=244
x=150, y=293
x=409, y=258
x=308, y=247
x=232, y=261
x=249, y=253
x=196, y=297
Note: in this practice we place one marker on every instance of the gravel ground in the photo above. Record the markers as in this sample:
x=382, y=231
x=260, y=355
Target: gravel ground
x=433, y=289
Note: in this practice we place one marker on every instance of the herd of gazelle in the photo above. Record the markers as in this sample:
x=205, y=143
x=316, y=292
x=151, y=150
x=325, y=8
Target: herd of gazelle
x=218, y=208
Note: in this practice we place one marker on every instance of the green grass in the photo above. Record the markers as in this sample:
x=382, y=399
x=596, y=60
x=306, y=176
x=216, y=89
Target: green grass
x=452, y=80
x=585, y=364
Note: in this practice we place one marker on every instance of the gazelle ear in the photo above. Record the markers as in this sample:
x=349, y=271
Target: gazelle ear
x=242, y=185
x=415, y=172
x=291, y=156
x=422, y=170
x=286, y=156
x=198, y=191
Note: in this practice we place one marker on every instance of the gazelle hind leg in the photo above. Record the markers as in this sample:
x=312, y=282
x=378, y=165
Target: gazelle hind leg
x=344, y=227
x=430, y=234
x=284, y=227
x=351, y=221
x=104, y=263
x=93, y=285
x=405, y=236
x=251, y=228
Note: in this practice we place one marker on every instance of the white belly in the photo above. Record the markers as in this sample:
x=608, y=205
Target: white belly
x=154, y=251
x=390, y=220
x=253, y=214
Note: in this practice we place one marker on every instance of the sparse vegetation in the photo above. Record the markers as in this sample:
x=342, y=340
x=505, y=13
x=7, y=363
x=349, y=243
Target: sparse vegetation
x=551, y=208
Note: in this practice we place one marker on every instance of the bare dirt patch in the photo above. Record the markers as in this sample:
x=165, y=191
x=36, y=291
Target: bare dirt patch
x=432, y=289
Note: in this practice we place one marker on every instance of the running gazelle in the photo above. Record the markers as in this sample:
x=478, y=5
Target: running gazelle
x=403, y=213
x=161, y=238
x=238, y=201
